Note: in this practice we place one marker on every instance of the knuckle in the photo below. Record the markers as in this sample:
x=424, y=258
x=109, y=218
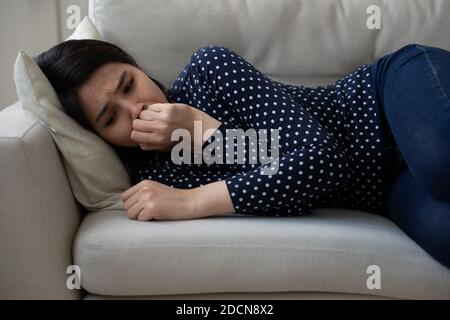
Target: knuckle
x=168, y=114
x=147, y=196
x=165, y=125
x=150, y=206
x=161, y=139
x=148, y=187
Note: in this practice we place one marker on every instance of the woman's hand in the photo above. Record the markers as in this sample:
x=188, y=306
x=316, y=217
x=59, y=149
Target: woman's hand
x=154, y=128
x=151, y=200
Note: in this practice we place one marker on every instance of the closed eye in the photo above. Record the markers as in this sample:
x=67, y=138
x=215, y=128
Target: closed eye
x=110, y=120
x=129, y=86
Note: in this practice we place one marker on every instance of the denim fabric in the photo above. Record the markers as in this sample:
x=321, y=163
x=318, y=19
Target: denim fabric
x=413, y=88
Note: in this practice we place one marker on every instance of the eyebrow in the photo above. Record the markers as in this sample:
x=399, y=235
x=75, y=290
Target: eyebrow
x=105, y=107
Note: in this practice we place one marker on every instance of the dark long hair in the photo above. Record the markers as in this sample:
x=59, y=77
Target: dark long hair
x=69, y=64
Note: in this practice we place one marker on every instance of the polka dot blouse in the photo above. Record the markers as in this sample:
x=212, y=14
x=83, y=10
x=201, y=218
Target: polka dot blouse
x=331, y=147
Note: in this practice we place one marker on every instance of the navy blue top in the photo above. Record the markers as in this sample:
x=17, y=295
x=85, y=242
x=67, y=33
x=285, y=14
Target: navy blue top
x=333, y=148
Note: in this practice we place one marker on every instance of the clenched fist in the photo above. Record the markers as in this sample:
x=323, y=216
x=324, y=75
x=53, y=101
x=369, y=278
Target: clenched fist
x=156, y=124
x=151, y=200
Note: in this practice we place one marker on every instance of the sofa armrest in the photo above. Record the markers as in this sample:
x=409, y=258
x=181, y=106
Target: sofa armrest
x=39, y=215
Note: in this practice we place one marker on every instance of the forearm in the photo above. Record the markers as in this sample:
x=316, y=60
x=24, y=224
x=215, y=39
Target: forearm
x=212, y=199
x=296, y=182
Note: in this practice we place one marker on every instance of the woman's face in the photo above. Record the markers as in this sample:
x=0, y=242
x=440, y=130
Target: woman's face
x=113, y=97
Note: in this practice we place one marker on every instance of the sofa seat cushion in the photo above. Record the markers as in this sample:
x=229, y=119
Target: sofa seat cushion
x=332, y=250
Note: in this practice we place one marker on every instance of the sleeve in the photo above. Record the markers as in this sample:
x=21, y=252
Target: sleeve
x=309, y=162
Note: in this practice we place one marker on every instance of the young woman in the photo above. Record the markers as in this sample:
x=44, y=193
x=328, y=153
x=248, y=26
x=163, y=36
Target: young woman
x=377, y=140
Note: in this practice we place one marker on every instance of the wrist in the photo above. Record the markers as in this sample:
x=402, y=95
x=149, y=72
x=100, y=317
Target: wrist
x=208, y=126
x=211, y=199
x=196, y=209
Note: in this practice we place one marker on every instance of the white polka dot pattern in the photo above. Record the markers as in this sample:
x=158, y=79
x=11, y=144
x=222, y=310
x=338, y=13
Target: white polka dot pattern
x=331, y=143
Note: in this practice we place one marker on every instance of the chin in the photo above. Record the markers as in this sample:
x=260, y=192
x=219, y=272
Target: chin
x=130, y=144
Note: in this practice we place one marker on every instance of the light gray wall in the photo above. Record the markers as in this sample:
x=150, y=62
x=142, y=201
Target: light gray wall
x=63, y=15
x=33, y=26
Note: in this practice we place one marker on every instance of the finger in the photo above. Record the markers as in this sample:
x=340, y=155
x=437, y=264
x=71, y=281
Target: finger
x=151, y=126
x=144, y=137
x=131, y=201
x=135, y=210
x=143, y=125
x=130, y=191
x=142, y=216
x=149, y=147
x=157, y=107
x=150, y=115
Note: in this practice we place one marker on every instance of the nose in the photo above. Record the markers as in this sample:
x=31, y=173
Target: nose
x=134, y=109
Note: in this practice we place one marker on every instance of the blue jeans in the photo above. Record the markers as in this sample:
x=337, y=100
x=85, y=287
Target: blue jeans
x=413, y=90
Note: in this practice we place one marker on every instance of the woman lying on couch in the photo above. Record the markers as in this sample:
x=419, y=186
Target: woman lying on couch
x=376, y=140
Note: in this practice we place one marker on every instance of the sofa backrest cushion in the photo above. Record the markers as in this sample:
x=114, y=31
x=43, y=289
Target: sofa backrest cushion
x=293, y=41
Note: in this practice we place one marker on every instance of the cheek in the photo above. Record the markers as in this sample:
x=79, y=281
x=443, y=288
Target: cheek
x=148, y=90
x=123, y=129
x=124, y=134
x=119, y=133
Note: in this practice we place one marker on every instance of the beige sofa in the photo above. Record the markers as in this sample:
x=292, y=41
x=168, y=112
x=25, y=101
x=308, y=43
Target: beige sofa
x=334, y=253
